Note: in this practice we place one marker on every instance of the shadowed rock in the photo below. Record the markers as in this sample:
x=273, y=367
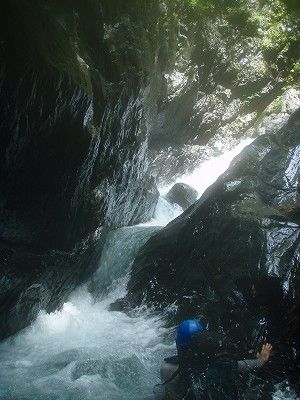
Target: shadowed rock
x=182, y=194
x=73, y=148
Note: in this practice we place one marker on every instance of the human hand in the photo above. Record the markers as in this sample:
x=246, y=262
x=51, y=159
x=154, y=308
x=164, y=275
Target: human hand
x=264, y=354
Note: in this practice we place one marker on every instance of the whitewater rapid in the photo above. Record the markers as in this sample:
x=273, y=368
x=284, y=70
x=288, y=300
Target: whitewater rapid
x=86, y=351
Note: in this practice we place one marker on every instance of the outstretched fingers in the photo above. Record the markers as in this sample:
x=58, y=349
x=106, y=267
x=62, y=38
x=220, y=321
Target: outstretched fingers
x=265, y=352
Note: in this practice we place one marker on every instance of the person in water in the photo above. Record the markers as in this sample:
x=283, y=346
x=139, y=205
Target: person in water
x=204, y=367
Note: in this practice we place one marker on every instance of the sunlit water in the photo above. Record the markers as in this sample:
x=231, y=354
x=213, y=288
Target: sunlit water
x=202, y=177
x=86, y=351
x=207, y=173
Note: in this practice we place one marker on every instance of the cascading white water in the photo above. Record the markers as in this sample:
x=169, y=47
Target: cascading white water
x=86, y=351
x=208, y=172
x=202, y=177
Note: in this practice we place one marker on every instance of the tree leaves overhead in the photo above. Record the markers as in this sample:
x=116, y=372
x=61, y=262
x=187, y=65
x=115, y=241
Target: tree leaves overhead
x=275, y=22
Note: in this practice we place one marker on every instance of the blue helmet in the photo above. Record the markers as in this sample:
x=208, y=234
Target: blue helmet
x=186, y=330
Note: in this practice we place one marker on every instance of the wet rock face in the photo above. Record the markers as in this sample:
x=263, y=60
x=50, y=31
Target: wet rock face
x=73, y=153
x=182, y=194
x=44, y=144
x=231, y=257
x=74, y=115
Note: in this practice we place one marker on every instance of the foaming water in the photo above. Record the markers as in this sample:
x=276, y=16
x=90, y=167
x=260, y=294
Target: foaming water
x=209, y=171
x=200, y=179
x=286, y=393
x=85, y=351
x=164, y=213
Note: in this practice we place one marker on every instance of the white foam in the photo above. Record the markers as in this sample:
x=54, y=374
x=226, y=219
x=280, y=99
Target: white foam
x=203, y=177
x=85, y=350
x=208, y=172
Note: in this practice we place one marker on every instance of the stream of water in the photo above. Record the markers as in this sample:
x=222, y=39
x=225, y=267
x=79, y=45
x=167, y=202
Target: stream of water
x=85, y=351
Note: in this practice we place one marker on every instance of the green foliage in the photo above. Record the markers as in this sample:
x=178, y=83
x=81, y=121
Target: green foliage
x=203, y=6
x=237, y=13
x=294, y=76
x=280, y=32
x=275, y=22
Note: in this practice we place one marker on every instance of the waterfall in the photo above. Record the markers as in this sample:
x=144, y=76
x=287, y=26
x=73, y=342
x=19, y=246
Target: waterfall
x=207, y=173
x=87, y=351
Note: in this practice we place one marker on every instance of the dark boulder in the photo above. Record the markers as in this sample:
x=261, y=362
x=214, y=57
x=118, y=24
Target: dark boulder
x=182, y=194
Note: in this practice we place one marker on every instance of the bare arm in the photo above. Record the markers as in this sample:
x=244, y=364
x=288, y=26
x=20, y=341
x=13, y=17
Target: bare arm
x=261, y=358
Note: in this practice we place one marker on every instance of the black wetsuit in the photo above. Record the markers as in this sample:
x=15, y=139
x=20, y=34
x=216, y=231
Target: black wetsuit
x=204, y=371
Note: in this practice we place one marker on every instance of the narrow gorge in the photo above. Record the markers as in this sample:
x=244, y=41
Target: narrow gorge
x=102, y=104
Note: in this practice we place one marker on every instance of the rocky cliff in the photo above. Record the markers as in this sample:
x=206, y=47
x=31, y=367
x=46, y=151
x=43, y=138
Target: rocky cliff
x=77, y=94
